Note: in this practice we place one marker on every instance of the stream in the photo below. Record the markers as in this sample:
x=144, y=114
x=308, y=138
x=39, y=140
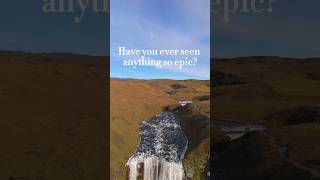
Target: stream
x=235, y=130
x=160, y=151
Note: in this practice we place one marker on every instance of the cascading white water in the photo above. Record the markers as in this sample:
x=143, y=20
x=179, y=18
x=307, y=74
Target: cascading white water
x=154, y=168
x=160, y=151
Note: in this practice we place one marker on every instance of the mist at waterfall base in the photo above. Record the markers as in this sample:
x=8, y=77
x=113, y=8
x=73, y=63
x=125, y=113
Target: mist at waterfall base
x=160, y=151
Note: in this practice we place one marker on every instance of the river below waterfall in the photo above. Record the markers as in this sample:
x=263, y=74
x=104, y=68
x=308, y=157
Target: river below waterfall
x=235, y=130
x=160, y=151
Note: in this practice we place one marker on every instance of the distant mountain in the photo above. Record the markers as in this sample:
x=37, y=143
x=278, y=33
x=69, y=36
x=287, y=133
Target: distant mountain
x=257, y=58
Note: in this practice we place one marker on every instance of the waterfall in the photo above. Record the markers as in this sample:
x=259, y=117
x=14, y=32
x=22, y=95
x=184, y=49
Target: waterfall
x=160, y=151
x=154, y=168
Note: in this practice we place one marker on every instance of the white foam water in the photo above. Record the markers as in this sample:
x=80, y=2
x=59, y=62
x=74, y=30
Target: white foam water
x=160, y=151
x=154, y=168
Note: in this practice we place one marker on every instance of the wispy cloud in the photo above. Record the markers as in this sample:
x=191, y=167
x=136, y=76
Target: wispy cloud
x=174, y=24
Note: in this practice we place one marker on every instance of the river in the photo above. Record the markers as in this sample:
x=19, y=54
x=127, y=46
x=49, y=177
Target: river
x=160, y=151
x=235, y=130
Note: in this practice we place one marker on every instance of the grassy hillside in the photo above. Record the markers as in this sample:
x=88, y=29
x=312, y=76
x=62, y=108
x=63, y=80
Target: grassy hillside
x=189, y=90
x=53, y=115
x=263, y=85
x=256, y=157
x=133, y=101
x=301, y=142
x=196, y=126
x=52, y=119
x=284, y=94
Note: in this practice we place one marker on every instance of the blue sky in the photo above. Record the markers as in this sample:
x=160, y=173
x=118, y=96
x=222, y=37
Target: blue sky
x=291, y=30
x=165, y=24
x=24, y=26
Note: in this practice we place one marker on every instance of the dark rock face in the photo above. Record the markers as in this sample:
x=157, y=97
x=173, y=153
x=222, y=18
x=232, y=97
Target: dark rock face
x=203, y=98
x=255, y=157
x=304, y=115
x=223, y=79
x=178, y=86
x=312, y=76
x=299, y=115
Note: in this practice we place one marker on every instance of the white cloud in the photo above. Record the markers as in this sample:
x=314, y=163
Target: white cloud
x=129, y=28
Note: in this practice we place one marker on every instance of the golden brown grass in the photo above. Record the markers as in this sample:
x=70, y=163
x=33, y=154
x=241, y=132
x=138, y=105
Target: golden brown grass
x=271, y=85
x=52, y=121
x=133, y=101
x=301, y=140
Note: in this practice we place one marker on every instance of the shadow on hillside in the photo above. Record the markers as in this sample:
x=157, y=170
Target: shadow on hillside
x=195, y=125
